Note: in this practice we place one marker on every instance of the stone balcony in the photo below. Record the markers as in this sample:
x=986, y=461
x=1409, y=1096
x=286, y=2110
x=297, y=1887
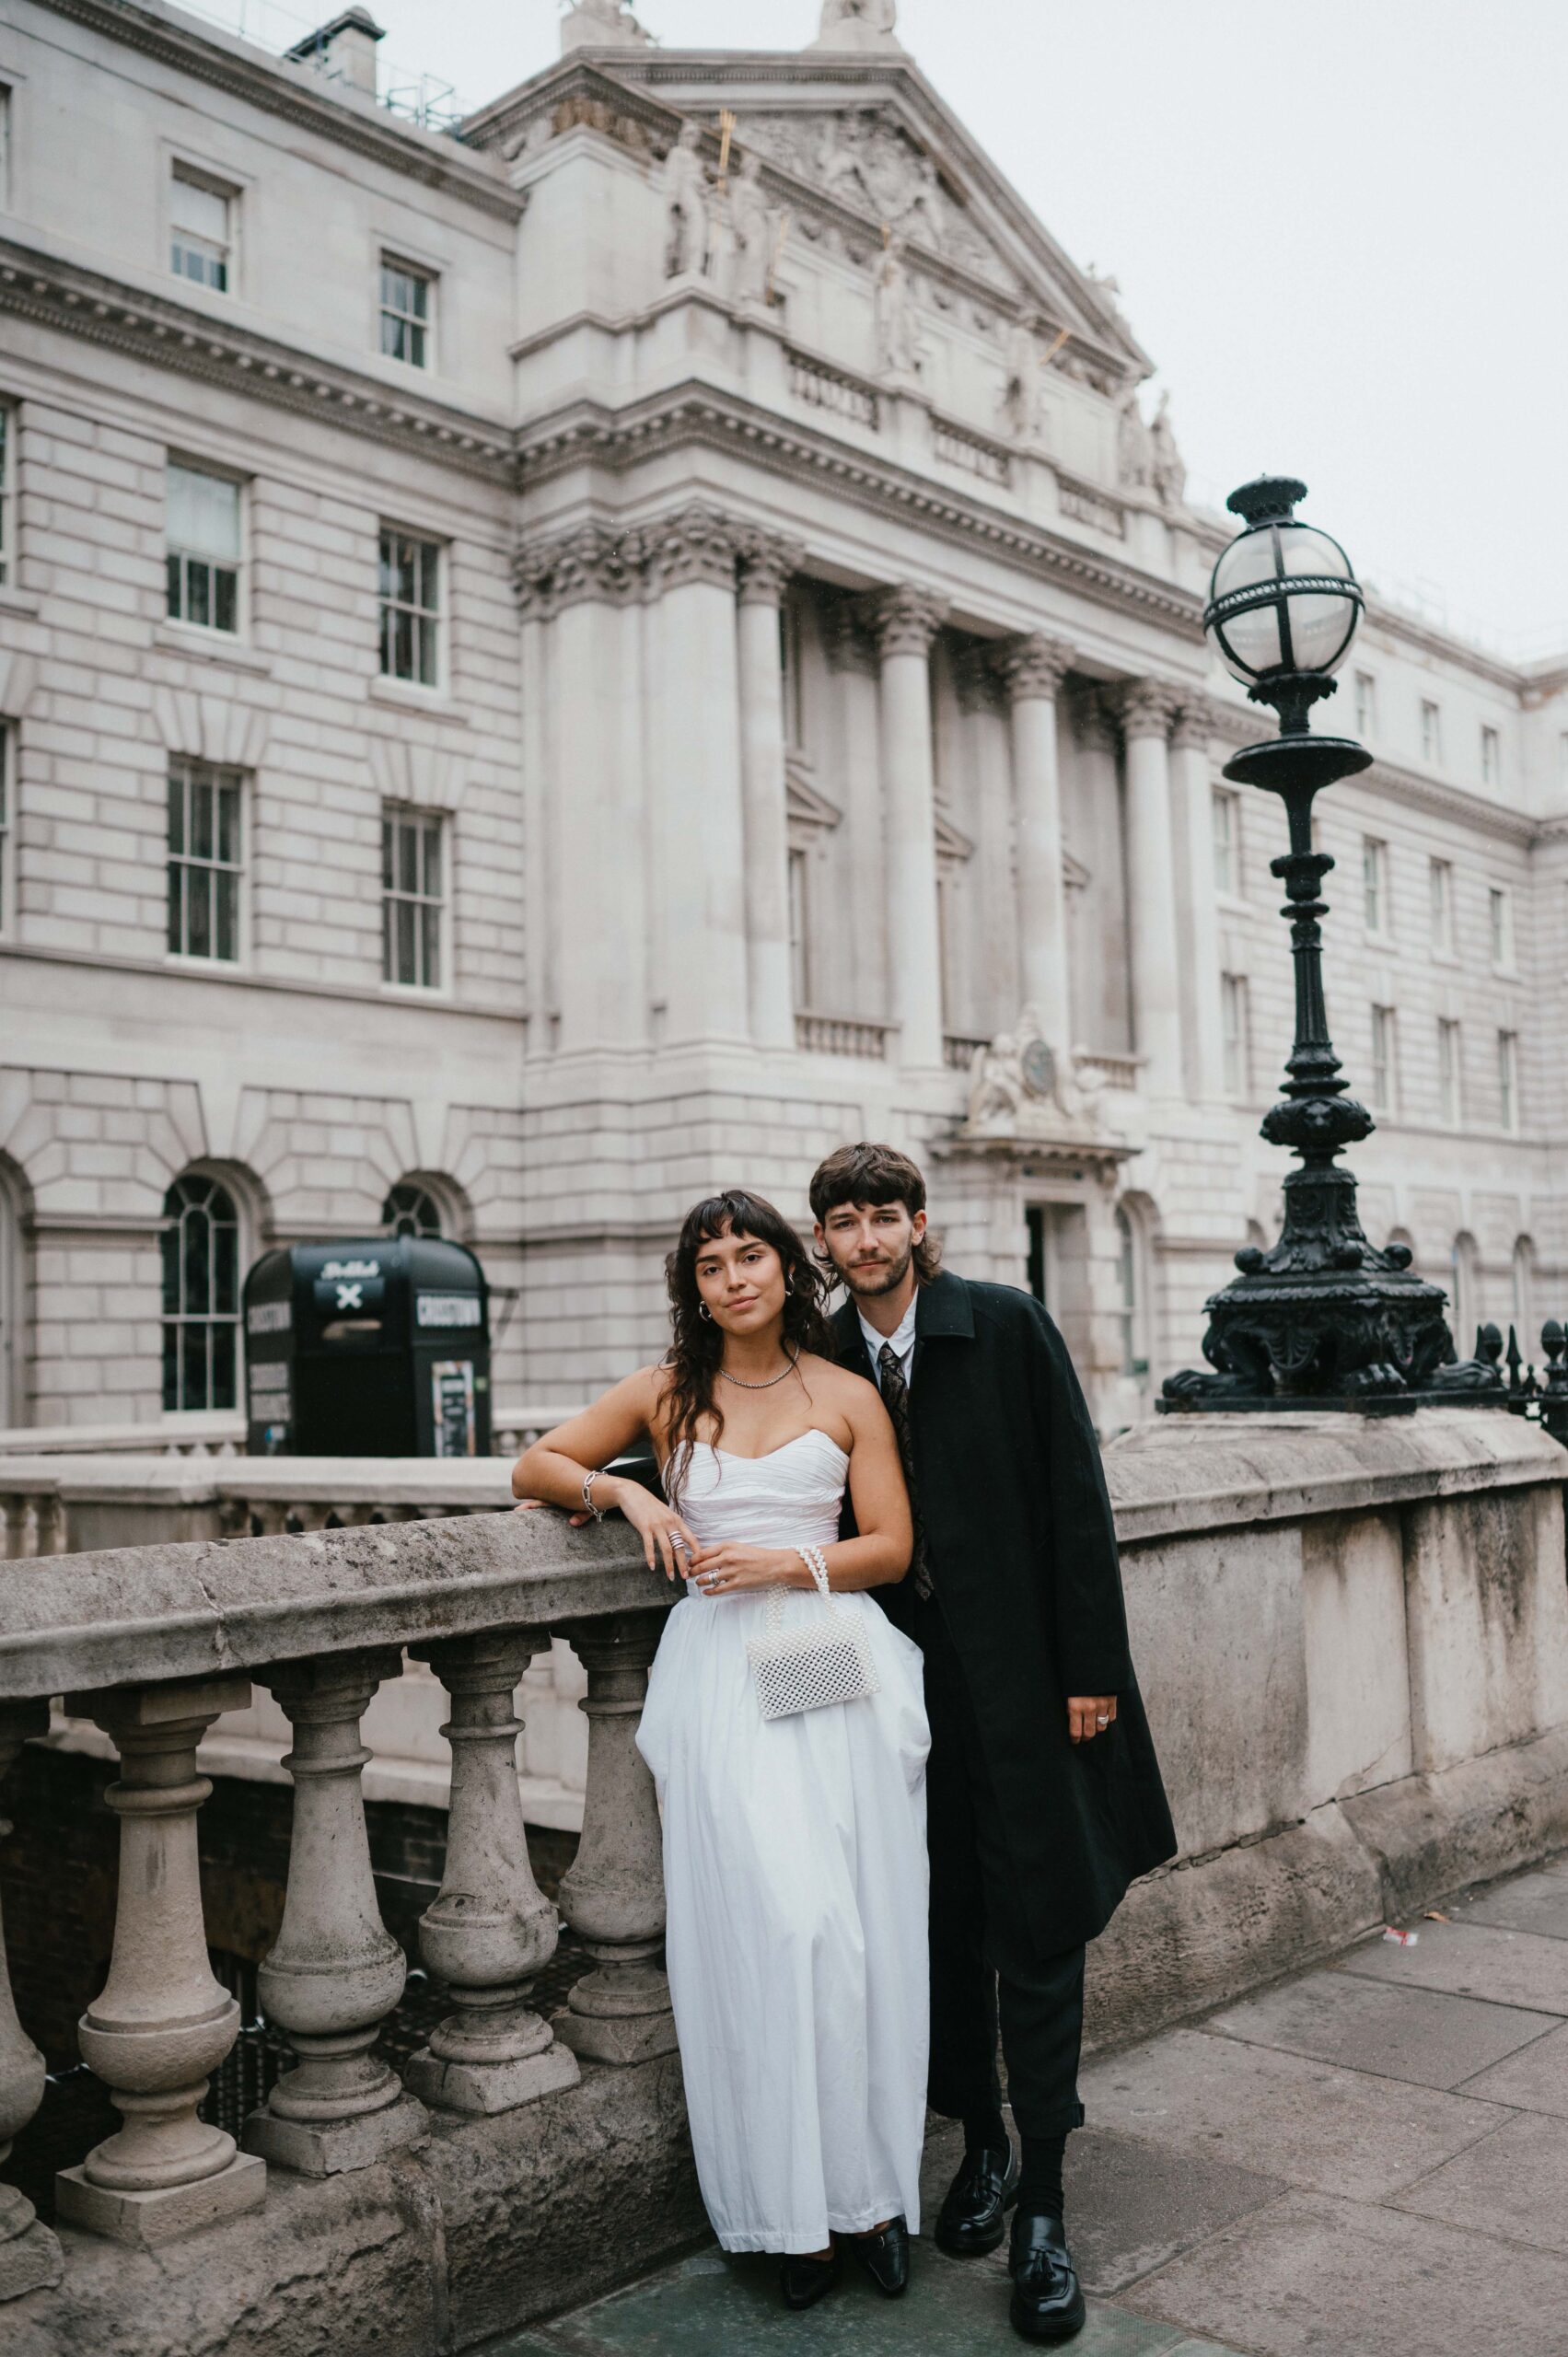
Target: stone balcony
x=1353, y=1636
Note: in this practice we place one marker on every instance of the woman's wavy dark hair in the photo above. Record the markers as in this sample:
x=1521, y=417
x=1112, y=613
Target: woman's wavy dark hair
x=697, y=1342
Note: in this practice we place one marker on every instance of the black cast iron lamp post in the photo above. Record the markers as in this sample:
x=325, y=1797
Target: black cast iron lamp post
x=1323, y=1319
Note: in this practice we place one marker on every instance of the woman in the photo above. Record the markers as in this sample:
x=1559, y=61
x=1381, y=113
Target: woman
x=793, y=1846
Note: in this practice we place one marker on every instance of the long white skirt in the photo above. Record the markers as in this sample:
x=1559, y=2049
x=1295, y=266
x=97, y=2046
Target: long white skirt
x=796, y=1878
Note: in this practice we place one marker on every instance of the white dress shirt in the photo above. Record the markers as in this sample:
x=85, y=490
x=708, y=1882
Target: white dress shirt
x=901, y=1342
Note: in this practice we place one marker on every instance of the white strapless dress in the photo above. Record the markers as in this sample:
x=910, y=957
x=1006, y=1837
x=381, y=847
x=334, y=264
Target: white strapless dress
x=796, y=1878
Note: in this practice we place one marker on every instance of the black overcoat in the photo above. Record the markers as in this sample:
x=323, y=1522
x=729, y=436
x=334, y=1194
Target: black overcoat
x=1022, y=1553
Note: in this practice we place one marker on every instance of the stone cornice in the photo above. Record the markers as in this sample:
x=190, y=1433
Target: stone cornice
x=300, y=96
x=594, y=94
x=1235, y=724
x=171, y=334
x=616, y=440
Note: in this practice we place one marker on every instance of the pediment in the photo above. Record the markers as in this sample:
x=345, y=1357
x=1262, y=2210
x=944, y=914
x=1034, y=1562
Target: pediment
x=857, y=145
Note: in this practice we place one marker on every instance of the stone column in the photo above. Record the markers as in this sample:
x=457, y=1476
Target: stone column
x=766, y=565
x=162, y=2024
x=1033, y=670
x=584, y=581
x=613, y=1894
x=1148, y=708
x=491, y=1931
x=335, y=1972
x=695, y=831
x=904, y=620
x=30, y=2254
x=1193, y=791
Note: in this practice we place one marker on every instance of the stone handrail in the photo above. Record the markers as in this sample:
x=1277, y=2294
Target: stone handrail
x=154, y=1643
x=217, y=1433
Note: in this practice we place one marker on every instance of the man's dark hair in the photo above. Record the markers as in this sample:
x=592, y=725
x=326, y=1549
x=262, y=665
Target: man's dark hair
x=876, y=1174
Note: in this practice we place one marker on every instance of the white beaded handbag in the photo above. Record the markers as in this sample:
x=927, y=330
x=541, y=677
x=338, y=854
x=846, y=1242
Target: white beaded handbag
x=825, y=1659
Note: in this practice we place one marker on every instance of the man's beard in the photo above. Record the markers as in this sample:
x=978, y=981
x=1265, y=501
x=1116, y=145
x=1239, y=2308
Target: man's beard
x=870, y=1282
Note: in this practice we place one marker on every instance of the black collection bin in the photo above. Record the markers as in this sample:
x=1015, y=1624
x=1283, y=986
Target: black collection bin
x=372, y=1348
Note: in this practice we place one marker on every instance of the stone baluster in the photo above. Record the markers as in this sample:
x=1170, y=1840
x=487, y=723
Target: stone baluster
x=1148, y=709
x=1033, y=669
x=766, y=565
x=335, y=1972
x=490, y=1931
x=30, y=2255
x=613, y=1894
x=903, y=621
x=162, y=2024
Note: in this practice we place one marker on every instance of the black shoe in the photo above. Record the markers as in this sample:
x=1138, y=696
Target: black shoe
x=1047, y=2302
x=884, y=2253
x=972, y=2220
x=804, y=2280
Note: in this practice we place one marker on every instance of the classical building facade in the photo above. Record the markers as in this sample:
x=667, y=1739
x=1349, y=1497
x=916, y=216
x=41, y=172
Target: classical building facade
x=548, y=667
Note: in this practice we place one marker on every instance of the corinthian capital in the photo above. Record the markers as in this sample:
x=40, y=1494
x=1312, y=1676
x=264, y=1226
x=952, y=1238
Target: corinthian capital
x=694, y=543
x=1033, y=664
x=1148, y=707
x=902, y=620
x=591, y=560
x=767, y=560
x=1194, y=724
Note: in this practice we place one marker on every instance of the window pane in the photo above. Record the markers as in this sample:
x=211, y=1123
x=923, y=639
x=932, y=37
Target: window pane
x=175, y=586
x=385, y=562
x=228, y=823
x=176, y=907
x=225, y=601
x=403, y=644
x=168, y=1244
x=200, y=209
x=431, y=918
x=405, y=570
x=405, y=966
x=198, y=907
x=427, y=653
x=198, y=579
x=225, y=1277
x=415, y=355
x=223, y=1383
x=407, y=856
x=433, y=862
x=176, y=813
x=204, y=513
x=227, y=889
x=201, y=818
x=389, y=968
x=386, y=855
x=392, y=336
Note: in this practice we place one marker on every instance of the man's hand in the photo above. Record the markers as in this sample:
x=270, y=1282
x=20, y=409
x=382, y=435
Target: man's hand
x=1089, y=1714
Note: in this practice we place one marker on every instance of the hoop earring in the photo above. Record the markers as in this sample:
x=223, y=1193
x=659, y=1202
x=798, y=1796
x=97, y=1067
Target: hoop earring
x=703, y=1311
x=789, y=1287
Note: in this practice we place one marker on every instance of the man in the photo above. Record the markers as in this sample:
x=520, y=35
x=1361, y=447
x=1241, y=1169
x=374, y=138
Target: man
x=1044, y=1796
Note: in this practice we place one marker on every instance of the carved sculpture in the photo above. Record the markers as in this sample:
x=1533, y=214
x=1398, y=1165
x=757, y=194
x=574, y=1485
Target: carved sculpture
x=749, y=226
x=601, y=24
x=1167, y=473
x=898, y=338
x=1020, y=1088
x=920, y=214
x=1021, y=411
x=1135, y=457
x=686, y=224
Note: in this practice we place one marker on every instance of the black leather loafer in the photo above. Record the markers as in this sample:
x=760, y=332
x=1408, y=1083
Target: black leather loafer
x=1047, y=2302
x=804, y=2280
x=972, y=2220
x=886, y=2257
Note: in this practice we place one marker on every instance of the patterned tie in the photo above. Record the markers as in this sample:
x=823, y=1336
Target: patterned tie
x=895, y=1398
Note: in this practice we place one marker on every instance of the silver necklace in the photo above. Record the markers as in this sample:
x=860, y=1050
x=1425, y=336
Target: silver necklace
x=768, y=1386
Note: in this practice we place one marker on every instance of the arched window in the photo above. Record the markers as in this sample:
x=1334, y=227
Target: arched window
x=1464, y=1294
x=201, y=1294
x=411, y=1210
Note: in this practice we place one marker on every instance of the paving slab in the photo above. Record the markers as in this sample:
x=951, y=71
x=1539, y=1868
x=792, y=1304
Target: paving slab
x=1399, y=2033
x=1132, y=2206
x=1313, y=2277
x=1309, y=2122
x=1533, y=1903
x=715, y=2305
x=1514, y=2183
x=1535, y=2079
x=1471, y=1960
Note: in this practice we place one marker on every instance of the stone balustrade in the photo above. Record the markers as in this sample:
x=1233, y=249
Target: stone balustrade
x=1354, y=1638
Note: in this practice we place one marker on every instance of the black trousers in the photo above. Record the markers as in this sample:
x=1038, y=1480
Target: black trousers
x=980, y=1941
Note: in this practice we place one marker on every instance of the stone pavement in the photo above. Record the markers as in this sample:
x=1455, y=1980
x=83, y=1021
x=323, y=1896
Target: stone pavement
x=1370, y=2160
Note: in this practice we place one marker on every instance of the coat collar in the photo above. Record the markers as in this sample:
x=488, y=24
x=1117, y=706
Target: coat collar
x=942, y=1308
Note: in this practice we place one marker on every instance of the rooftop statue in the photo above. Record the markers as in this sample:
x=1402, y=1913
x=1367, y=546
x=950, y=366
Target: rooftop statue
x=857, y=24
x=601, y=24
x=685, y=206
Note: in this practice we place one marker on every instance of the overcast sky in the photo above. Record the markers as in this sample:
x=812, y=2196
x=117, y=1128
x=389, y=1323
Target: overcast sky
x=1340, y=232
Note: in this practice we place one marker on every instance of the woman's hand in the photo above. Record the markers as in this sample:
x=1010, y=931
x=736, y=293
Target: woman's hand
x=1089, y=1714
x=730, y=1570
x=659, y=1527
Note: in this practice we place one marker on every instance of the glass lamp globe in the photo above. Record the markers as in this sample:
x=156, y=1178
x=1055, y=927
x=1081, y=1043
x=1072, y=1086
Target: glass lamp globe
x=1283, y=597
